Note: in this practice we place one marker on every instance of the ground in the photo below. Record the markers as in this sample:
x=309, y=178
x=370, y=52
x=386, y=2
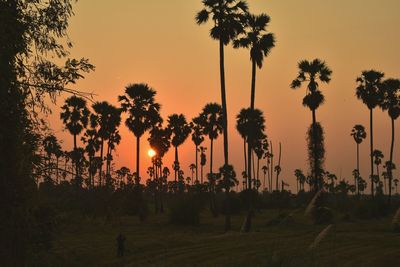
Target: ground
x=155, y=242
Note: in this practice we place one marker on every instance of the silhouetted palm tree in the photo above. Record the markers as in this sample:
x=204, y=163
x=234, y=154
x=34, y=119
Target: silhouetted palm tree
x=197, y=138
x=180, y=130
x=265, y=171
x=192, y=168
x=93, y=142
x=369, y=90
x=300, y=179
x=160, y=142
x=227, y=181
x=75, y=116
x=52, y=147
x=211, y=122
x=203, y=160
x=260, y=44
x=228, y=18
x=378, y=156
x=251, y=124
x=311, y=72
x=391, y=103
x=143, y=114
x=359, y=134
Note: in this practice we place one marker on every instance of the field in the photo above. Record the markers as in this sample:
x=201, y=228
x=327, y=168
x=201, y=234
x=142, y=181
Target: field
x=155, y=242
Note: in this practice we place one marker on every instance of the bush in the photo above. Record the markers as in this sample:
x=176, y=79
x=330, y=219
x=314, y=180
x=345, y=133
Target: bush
x=185, y=210
x=323, y=215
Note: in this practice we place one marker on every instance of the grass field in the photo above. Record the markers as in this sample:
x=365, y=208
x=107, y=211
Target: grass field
x=155, y=242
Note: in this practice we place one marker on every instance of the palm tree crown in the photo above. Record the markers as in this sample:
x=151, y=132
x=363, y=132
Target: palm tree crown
x=256, y=37
x=75, y=114
x=143, y=111
x=227, y=15
x=369, y=88
x=358, y=133
x=311, y=72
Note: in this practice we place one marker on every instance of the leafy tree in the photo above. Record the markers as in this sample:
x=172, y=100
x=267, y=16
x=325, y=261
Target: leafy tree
x=228, y=17
x=369, y=91
x=143, y=114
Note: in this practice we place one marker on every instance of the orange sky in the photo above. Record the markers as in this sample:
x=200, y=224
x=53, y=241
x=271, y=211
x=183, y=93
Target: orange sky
x=158, y=42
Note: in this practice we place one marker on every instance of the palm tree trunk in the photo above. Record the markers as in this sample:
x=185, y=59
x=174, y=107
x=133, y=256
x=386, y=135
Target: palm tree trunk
x=197, y=169
x=371, y=150
x=391, y=163
x=253, y=83
x=223, y=100
x=358, y=168
x=137, y=160
x=101, y=162
x=244, y=152
x=258, y=170
x=211, y=156
x=176, y=162
x=249, y=174
x=314, y=137
x=57, y=171
x=279, y=164
x=272, y=166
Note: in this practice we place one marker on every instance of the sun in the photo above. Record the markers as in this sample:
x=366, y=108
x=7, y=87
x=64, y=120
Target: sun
x=151, y=153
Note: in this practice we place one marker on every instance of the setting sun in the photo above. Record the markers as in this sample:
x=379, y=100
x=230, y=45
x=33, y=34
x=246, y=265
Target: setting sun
x=151, y=153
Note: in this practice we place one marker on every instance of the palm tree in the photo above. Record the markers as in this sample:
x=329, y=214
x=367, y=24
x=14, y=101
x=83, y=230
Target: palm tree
x=75, y=116
x=260, y=43
x=300, y=179
x=359, y=134
x=391, y=103
x=143, y=113
x=260, y=149
x=197, y=138
x=369, y=90
x=92, y=141
x=203, y=160
x=396, y=182
x=311, y=72
x=160, y=142
x=228, y=181
x=180, y=130
x=228, y=18
x=378, y=156
x=211, y=122
x=192, y=168
x=264, y=168
x=51, y=147
x=251, y=124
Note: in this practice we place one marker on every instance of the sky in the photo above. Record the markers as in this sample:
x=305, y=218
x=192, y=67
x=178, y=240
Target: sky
x=158, y=42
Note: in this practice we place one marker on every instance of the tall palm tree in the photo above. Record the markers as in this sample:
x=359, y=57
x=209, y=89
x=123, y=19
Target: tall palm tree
x=259, y=42
x=197, y=138
x=143, y=114
x=251, y=124
x=228, y=181
x=391, y=103
x=311, y=72
x=92, y=141
x=160, y=142
x=51, y=147
x=212, y=125
x=228, y=18
x=203, y=161
x=359, y=134
x=180, y=130
x=75, y=116
x=369, y=91
x=378, y=156
x=300, y=178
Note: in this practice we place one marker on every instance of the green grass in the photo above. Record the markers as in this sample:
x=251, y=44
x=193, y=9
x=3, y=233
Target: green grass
x=155, y=242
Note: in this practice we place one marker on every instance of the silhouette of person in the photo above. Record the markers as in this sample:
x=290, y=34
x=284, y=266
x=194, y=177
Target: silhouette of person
x=120, y=245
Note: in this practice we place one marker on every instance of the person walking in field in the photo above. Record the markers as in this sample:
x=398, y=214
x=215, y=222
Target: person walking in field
x=120, y=245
